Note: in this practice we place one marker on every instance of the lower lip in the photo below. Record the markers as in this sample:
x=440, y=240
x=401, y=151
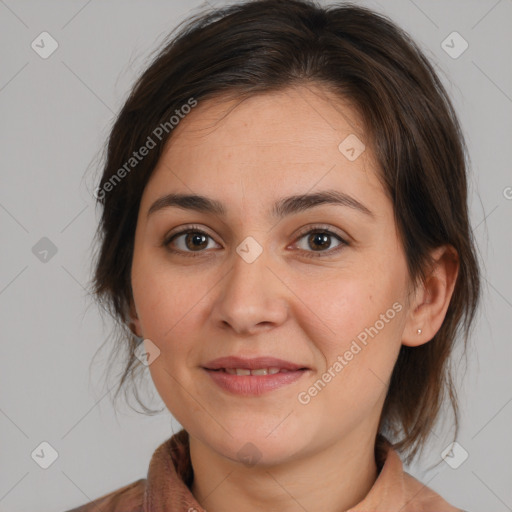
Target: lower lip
x=253, y=384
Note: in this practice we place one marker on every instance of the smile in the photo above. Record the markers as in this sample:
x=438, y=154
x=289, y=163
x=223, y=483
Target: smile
x=242, y=381
x=246, y=371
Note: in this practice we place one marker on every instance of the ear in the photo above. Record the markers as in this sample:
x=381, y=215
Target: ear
x=134, y=323
x=432, y=298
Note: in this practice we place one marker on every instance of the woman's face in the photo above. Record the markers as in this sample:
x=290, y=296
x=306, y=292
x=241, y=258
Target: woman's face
x=258, y=283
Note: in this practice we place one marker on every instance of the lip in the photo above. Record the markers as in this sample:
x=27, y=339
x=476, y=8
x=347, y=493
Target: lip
x=252, y=363
x=253, y=384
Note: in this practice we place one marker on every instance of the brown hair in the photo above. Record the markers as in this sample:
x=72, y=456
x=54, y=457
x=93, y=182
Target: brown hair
x=259, y=46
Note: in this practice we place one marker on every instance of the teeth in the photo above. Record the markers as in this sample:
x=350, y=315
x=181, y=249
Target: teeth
x=263, y=371
x=259, y=371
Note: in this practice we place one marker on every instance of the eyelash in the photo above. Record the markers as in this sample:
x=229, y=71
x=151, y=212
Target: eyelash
x=309, y=230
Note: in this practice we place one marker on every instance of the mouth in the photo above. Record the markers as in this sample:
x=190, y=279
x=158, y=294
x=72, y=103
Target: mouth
x=263, y=365
x=252, y=377
x=258, y=371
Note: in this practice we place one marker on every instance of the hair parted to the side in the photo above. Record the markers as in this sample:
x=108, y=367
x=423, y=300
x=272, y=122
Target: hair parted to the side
x=260, y=46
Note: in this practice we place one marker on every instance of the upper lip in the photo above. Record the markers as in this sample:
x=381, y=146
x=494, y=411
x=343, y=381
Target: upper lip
x=252, y=363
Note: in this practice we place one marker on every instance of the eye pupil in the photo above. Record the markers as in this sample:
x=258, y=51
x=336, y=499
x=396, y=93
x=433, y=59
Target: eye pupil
x=321, y=239
x=196, y=237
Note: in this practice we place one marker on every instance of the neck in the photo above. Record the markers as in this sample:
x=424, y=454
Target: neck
x=332, y=479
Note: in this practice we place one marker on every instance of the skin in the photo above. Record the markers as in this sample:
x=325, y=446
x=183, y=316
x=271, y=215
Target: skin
x=306, y=310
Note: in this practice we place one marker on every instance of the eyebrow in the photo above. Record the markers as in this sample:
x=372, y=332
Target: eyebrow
x=281, y=208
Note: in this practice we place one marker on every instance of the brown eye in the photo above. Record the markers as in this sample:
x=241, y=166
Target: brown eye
x=188, y=241
x=196, y=241
x=319, y=241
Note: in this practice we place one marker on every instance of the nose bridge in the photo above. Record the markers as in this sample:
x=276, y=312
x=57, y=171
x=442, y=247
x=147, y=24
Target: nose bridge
x=252, y=295
x=250, y=266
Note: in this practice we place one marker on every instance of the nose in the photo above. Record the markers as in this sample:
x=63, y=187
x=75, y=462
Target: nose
x=252, y=297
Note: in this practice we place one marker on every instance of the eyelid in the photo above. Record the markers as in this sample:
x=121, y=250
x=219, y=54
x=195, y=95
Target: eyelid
x=331, y=232
x=321, y=228
x=184, y=230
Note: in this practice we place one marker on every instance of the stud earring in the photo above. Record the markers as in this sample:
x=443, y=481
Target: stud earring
x=419, y=331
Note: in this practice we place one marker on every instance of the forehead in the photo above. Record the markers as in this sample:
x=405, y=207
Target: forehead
x=287, y=141
x=305, y=117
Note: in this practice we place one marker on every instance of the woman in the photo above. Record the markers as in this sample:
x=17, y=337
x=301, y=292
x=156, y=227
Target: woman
x=285, y=239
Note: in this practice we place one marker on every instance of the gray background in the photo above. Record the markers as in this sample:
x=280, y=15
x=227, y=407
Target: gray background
x=56, y=113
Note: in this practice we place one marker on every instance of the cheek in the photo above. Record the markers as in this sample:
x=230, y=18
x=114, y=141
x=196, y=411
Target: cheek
x=364, y=313
x=351, y=305
x=168, y=308
x=165, y=299
x=359, y=358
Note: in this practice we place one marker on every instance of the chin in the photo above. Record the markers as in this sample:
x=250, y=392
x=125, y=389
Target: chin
x=254, y=446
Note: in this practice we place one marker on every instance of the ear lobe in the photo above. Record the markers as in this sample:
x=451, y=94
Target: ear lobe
x=134, y=324
x=428, y=310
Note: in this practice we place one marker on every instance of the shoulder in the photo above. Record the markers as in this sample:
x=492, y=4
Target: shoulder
x=418, y=494
x=126, y=499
